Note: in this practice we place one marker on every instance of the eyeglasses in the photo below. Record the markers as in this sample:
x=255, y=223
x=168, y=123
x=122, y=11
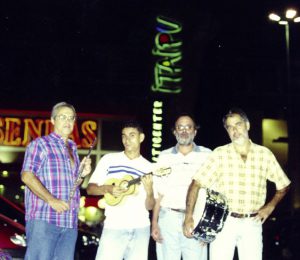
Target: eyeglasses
x=184, y=127
x=65, y=118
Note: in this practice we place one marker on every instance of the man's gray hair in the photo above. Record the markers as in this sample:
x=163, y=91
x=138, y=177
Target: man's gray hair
x=60, y=105
x=235, y=111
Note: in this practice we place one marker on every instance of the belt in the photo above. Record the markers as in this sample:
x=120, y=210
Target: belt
x=238, y=215
x=178, y=210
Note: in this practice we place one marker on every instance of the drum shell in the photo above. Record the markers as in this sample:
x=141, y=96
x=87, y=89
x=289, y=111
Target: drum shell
x=210, y=213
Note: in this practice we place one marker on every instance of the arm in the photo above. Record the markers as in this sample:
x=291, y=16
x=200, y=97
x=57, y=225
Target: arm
x=34, y=184
x=268, y=208
x=95, y=189
x=155, y=231
x=191, y=199
x=97, y=181
x=148, y=185
x=85, y=167
x=84, y=170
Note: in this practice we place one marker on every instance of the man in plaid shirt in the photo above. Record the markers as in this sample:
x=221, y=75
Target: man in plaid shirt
x=239, y=171
x=50, y=169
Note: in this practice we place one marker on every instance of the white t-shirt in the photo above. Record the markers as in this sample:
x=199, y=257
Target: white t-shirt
x=131, y=211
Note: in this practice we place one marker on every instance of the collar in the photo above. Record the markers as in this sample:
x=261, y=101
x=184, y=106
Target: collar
x=250, y=147
x=57, y=138
x=196, y=148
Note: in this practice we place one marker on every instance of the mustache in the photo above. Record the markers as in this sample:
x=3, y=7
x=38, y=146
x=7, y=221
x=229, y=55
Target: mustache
x=185, y=140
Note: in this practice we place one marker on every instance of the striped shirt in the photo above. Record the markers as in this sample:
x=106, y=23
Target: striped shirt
x=48, y=159
x=243, y=183
x=131, y=212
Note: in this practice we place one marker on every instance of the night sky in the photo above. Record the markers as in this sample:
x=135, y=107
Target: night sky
x=97, y=56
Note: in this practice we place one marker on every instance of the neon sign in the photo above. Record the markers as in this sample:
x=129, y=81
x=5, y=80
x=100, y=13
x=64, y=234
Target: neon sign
x=157, y=127
x=167, y=70
x=15, y=131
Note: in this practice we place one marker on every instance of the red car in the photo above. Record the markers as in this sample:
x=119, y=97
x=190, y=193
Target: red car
x=12, y=235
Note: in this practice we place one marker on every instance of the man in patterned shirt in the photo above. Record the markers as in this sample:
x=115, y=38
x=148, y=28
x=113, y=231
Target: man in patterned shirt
x=50, y=169
x=240, y=171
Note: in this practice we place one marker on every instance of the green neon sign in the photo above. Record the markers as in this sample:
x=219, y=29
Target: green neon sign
x=167, y=69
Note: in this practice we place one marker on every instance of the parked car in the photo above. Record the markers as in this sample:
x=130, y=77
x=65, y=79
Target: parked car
x=87, y=241
x=12, y=235
x=13, y=239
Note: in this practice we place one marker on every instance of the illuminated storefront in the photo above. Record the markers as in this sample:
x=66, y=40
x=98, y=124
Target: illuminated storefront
x=18, y=128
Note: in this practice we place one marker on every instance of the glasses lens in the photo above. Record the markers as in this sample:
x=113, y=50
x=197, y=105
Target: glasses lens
x=184, y=127
x=66, y=118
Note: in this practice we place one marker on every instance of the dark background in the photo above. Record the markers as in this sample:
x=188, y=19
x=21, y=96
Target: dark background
x=96, y=55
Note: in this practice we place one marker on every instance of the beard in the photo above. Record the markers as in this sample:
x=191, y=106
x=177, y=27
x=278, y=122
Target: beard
x=185, y=138
x=240, y=140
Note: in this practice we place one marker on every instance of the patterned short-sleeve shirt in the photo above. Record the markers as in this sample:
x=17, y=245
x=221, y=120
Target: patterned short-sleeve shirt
x=48, y=158
x=242, y=182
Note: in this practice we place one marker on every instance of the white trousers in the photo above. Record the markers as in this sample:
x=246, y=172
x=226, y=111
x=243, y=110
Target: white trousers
x=175, y=245
x=245, y=233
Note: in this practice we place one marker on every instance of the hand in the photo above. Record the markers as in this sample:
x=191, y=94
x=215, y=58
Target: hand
x=117, y=191
x=155, y=233
x=58, y=205
x=264, y=213
x=147, y=181
x=188, y=226
x=86, y=166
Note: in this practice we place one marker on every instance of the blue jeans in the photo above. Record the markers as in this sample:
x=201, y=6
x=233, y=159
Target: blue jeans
x=48, y=242
x=175, y=244
x=130, y=244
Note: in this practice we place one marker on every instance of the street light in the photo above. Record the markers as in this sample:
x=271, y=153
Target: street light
x=290, y=17
x=290, y=14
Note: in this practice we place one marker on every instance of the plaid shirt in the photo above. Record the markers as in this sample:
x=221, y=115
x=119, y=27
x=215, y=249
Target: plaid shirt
x=243, y=183
x=48, y=159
